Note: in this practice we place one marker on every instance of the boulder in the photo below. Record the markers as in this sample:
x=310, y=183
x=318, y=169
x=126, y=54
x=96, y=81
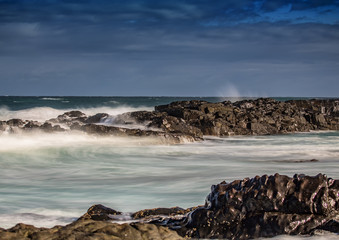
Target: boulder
x=160, y=211
x=266, y=206
x=97, y=118
x=15, y=122
x=99, y=213
x=70, y=117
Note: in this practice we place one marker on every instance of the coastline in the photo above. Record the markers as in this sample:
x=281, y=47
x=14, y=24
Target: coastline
x=172, y=130
x=189, y=121
x=265, y=206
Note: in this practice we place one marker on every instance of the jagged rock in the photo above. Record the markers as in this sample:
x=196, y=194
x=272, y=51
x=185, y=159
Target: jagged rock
x=265, y=207
x=187, y=121
x=99, y=212
x=30, y=125
x=97, y=118
x=123, y=132
x=73, y=114
x=160, y=211
x=15, y=122
x=48, y=127
x=70, y=117
x=255, y=117
x=330, y=226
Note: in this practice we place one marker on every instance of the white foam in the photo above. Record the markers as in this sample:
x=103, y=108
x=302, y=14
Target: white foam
x=37, y=140
x=51, y=99
x=42, y=114
x=39, y=217
x=77, y=170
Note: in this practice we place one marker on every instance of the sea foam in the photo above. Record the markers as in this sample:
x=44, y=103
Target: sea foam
x=42, y=114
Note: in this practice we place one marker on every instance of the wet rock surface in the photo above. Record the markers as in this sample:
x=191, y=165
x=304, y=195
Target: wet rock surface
x=188, y=121
x=99, y=212
x=256, y=117
x=174, y=211
x=264, y=206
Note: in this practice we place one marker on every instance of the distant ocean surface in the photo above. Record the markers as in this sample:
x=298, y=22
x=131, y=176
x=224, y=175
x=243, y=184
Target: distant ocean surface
x=50, y=179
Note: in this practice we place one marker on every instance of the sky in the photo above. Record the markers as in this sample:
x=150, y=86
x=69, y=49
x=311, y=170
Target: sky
x=258, y=48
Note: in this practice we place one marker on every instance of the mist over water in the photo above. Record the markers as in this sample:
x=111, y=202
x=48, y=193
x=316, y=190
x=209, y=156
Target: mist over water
x=45, y=174
x=49, y=179
x=42, y=114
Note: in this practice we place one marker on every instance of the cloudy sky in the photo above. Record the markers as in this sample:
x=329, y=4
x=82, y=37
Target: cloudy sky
x=169, y=48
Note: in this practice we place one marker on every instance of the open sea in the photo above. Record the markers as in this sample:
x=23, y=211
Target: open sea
x=52, y=179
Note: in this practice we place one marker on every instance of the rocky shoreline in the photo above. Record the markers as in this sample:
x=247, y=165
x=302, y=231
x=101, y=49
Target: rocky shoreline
x=189, y=121
x=264, y=206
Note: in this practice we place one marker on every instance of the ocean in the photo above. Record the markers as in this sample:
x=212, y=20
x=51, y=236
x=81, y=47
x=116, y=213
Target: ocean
x=52, y=179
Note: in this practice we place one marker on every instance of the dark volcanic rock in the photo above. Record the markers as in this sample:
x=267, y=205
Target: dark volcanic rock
x=161, y=211
x=123, y=132
x=31, y=125
x=70, y=117
x=256, y=117
x=48, y=127
x=15, y=122
x=161, y=121
x=99, y=212
x=187, y=121
x=97, y=118
x=73, y=114
x=265, y=207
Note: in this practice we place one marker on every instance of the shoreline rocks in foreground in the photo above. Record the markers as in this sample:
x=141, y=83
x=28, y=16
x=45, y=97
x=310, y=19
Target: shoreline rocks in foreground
x=264, y=206
x=189, y=121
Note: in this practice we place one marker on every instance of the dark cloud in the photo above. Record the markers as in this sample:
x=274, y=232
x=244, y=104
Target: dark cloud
x=298, y=5
x=151, y=11
x=168, y=47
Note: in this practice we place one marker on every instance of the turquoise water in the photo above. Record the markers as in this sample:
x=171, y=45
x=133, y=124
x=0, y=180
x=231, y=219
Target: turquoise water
x=49, y=179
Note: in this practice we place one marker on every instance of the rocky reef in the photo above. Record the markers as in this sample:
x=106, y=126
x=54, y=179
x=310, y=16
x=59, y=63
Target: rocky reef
x=264, y=206
x=188, y=121
x=256, y=117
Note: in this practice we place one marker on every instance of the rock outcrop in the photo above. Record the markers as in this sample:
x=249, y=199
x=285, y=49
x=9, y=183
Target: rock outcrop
x=264, y=206
x=188, y=121
x=256, y=117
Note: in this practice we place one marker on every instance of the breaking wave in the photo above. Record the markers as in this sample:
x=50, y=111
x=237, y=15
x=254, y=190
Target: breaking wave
x=45, y=113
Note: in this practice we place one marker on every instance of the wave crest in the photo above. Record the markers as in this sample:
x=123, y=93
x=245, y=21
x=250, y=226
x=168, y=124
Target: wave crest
x=42, y=114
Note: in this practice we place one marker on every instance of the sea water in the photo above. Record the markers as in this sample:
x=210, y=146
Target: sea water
x=50, y=179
